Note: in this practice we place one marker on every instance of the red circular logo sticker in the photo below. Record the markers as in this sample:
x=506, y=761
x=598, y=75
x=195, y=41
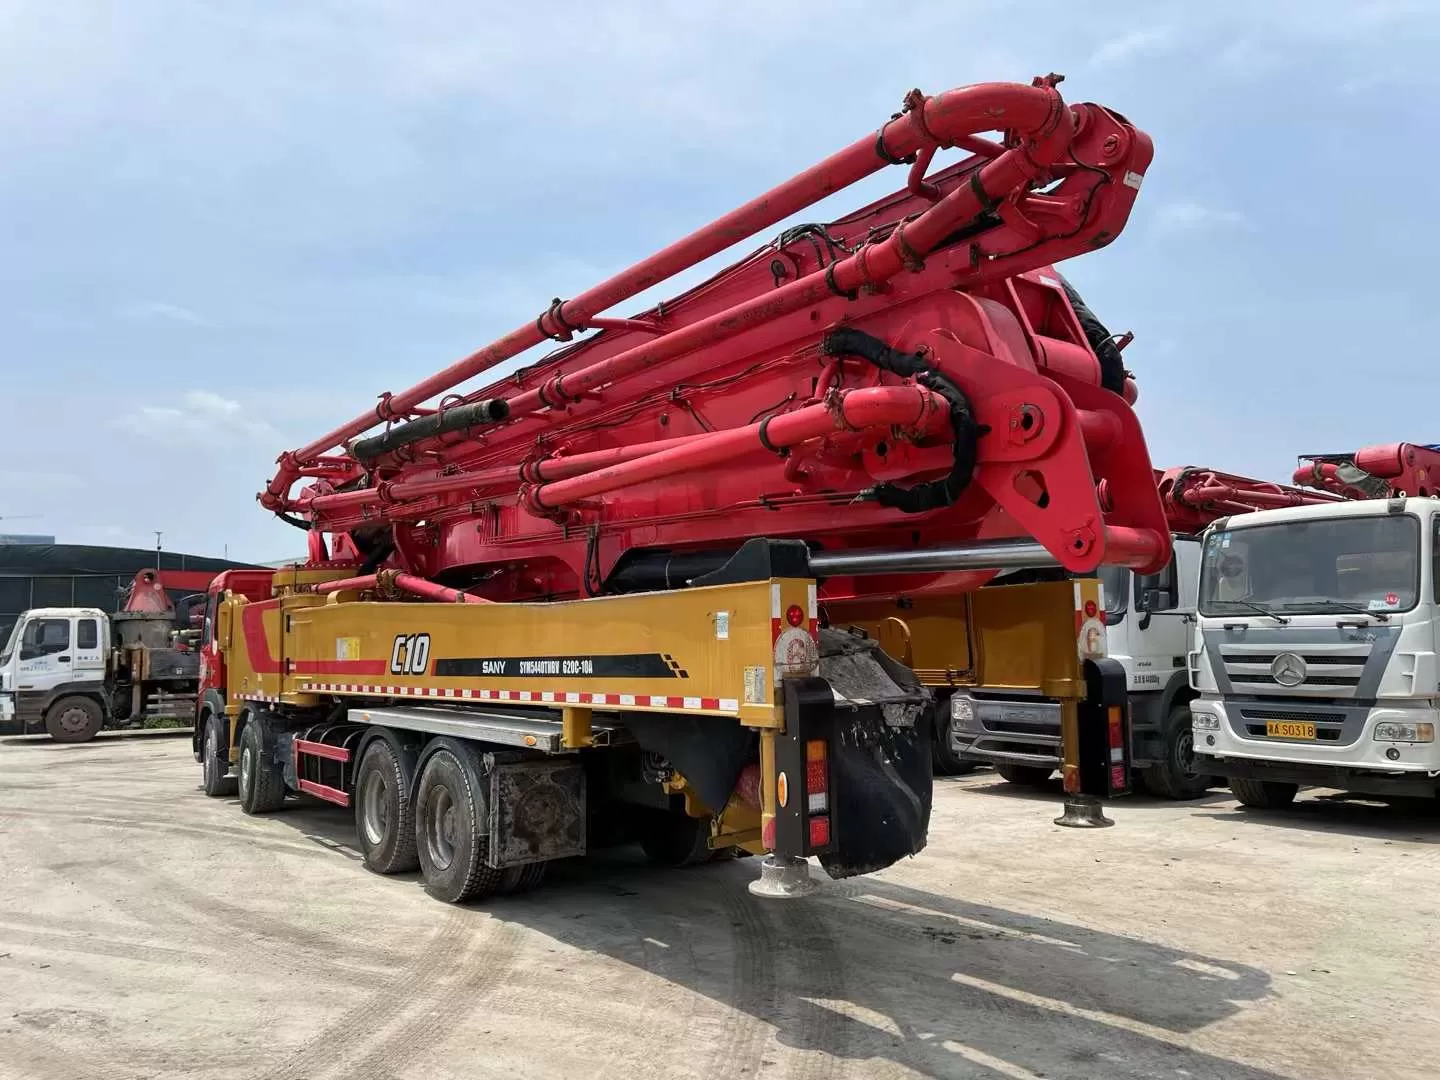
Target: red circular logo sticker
x=1090, y=609
x=1392, y=599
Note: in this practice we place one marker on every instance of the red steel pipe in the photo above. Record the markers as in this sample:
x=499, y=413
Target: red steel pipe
x=949, y=118
x=1251, y=498
x=365, y=581
x=416, y=586
x=872, y=265
x=552, y=468
x=920, y=411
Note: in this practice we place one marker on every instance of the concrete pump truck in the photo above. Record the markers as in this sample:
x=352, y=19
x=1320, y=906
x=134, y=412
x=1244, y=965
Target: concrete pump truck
x=623, y=593
x=1314, y=658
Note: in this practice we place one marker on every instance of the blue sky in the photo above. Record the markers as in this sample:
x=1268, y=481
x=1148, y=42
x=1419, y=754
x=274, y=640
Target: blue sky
x=226, y=226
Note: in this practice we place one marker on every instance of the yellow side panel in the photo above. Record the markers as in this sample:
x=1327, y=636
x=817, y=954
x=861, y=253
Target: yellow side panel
x=710, y=650
x=1015, y=637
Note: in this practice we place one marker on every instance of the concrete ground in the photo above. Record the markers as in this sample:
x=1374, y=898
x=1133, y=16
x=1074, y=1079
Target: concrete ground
x=146, y=931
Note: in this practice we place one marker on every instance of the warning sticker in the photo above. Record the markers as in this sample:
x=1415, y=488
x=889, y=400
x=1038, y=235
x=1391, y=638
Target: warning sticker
x=722, y=626
x=796, y=653
x=755, y=685
x=347, y=648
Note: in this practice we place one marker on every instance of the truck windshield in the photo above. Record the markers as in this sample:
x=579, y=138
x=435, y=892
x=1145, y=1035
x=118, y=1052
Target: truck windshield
x=1319, y=566
x=10, y=643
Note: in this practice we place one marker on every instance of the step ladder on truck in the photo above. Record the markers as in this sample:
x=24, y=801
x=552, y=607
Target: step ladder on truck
x=1314, y=655
x=623, y=594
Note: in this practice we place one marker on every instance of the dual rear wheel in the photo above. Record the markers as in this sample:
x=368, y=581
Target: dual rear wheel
x=440, y=827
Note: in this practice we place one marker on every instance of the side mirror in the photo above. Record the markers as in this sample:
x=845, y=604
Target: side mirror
x=1156, y=599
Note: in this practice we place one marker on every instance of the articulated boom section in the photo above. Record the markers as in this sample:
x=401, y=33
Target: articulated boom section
x=1195, y=497
x=911, y=376
x=1376, y=472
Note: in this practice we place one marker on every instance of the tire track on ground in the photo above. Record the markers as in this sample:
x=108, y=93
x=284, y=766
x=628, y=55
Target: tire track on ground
x=255, y=838
x=752, y=988
x=820, y=1038
x=458, y=966
x=26, y=938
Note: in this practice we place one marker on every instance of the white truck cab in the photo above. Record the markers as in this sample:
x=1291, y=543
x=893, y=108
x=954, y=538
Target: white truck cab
x=1314, y=653
x=52, y=654
x=1147, y=621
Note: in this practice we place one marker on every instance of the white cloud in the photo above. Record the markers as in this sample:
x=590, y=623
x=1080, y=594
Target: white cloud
x=12, y=479
x=152, y=310
x=200, y=415
x=1142, y=42
x=1186, y=215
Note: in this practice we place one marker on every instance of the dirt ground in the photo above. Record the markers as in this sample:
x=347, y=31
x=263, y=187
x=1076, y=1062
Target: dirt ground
x=146, y=931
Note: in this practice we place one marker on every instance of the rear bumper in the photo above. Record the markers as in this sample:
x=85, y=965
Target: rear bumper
x=1015, y=731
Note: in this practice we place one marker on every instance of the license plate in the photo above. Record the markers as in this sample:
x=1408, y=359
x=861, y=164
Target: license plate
x=1289, y=729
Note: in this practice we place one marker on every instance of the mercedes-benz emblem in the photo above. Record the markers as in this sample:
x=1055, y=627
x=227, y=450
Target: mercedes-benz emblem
x=1287, y=669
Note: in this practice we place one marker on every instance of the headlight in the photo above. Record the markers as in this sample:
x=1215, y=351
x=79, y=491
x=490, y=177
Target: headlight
x=1204, y=721
x=962, y=708
x=1391, y=731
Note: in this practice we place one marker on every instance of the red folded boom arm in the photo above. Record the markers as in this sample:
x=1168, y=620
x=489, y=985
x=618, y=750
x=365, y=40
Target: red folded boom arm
x=914, y=374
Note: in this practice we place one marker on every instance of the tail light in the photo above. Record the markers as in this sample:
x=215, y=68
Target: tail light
x=817, y=777
x=1116, y=725
x=804, y=786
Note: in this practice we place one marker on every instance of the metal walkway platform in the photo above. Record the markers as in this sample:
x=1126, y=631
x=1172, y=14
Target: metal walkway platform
x=535, y=729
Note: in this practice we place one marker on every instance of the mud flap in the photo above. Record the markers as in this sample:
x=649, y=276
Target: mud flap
x=537, y=809
x=881, y=763
x=882, y=791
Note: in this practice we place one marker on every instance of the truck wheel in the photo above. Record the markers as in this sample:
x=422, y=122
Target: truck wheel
x=676, y=839
x=1263, y=794
x=947, y=761
x=261, y=786
x=519, y=879
x=451, y=819
x=74, y=719
x=215, y=759
x=1028, y=775
x=384, y=814
x=1174, y=776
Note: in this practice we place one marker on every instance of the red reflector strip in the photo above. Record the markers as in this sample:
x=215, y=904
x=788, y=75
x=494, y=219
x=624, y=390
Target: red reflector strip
x=819, y=831
x=323, y=791
x=1117, y=776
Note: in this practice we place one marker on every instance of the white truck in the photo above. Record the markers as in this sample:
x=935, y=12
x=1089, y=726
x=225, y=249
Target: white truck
x=73, y=671
x=1314, y=657
x=1147, y=629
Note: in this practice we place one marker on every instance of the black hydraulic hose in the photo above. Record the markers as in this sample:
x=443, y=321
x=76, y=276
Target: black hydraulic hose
x=1112, y=367
x=930, y=494
x=458, y=418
